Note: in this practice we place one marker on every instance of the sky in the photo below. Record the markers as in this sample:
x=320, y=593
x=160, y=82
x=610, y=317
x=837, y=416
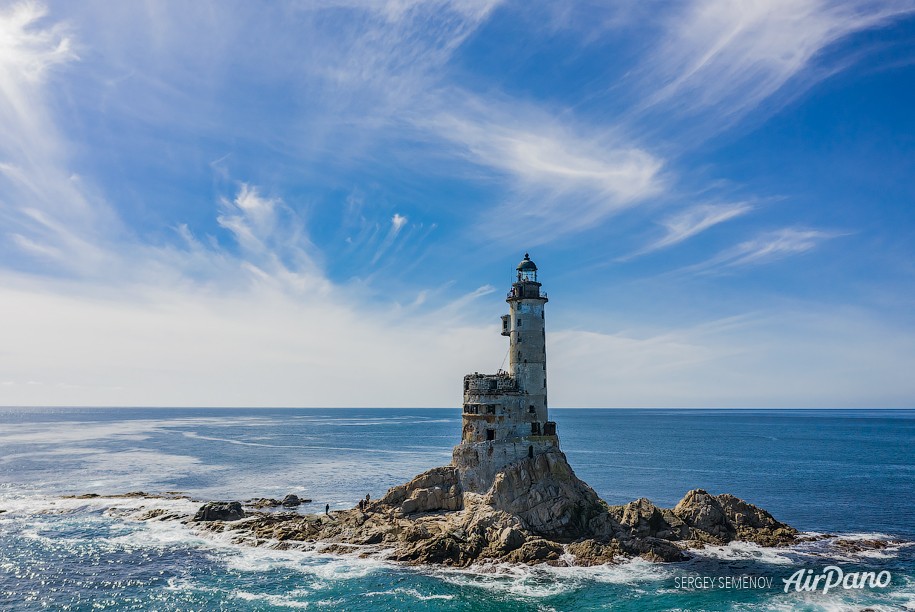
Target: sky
x=322, y=203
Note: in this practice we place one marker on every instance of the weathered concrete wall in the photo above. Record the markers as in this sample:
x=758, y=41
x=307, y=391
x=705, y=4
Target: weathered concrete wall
x=478, y=463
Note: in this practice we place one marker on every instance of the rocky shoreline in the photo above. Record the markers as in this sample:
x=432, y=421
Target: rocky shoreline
x=536, y=511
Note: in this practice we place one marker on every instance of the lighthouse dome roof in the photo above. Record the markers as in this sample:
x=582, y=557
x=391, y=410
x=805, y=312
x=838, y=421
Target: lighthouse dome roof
x=526, y=264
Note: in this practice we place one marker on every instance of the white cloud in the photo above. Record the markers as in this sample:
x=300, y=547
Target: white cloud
x=397, y=223
x=261, y=346
x=728, y=57
x=560, y=181
x=46, y=210
x=804, y=355
x=202, y=323
x=766, y=248
x=693, y=221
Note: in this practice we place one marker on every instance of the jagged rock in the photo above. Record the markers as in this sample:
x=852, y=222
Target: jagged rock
x=220, y=511
x=653, y=549
x=754, y=524
x=536, y=550
x=263, y=502
x=510, y=538
x=291, y=501
x=855, y=546
x=706, y=517
x=592, y=552
x=545, y=494
x=432, y=491
x=536, y=511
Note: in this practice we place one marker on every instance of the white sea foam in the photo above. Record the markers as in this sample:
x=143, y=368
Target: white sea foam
x=282, y=601
x=411, y=592
x=58, y=432
x=739, y=551
x=544, y=581
x=305, y=560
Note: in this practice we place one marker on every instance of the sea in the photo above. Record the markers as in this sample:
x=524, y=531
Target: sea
x=845, y=474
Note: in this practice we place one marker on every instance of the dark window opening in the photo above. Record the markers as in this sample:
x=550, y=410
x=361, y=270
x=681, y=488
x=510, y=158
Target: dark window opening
x=530, y=452
x=549, y=428
x=535, y=429
x=490, y=434
x=531, y=409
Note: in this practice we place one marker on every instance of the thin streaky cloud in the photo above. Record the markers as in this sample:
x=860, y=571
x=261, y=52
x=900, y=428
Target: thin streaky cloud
x=397, y=223
x=556, y=179
x=728, y=57
x=691, y=222
x=766, y=248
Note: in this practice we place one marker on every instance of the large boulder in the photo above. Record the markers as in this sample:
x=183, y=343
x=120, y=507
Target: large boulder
x=436, y=490
x=291, y=501
x=754, y=524
x=706, y=517
x=220, y=511
x=544, y=493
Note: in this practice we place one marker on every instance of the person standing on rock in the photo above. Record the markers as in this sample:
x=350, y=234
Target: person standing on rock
x=327, y=509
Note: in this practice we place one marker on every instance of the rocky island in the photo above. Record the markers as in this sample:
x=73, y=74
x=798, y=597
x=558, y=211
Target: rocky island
x=509, y=494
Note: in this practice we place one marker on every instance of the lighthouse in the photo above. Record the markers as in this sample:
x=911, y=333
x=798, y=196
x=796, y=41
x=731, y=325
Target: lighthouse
x=505, y=414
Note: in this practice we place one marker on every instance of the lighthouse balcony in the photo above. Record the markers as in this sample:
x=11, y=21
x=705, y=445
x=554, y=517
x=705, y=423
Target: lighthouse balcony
x=490, y=383
x=528, y=291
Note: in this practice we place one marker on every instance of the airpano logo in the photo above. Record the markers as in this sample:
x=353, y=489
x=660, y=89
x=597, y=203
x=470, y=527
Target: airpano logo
x=833, y=577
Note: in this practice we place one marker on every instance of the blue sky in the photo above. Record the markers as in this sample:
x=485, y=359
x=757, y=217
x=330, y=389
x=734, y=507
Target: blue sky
x=321, y=203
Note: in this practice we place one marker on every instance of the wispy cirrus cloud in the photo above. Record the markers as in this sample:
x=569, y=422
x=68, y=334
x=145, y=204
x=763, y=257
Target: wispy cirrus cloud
x=693, y=221
x=46, y=209
x=767, y=247
x=556, y=178
x=398, y=221
x=726, y=58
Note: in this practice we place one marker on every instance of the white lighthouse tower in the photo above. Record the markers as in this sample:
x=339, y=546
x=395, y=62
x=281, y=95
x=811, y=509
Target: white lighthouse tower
x=505, y=414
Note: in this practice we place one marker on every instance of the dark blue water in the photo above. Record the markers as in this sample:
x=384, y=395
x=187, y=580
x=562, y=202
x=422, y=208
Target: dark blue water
x=839, y=472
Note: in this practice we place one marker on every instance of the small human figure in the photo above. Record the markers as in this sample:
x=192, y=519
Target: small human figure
x=327, y=509
x=361, y=504
x=366, y=498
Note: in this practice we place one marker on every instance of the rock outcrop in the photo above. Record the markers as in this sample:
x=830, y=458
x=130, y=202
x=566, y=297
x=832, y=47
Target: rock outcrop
x=437, y=489
x=536, y=511
x=220, y=511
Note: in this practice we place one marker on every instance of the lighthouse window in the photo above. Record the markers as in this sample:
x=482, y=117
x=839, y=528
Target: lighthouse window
x=531, y=409
x=490, y=434
x=535, y=428
x=519, y=322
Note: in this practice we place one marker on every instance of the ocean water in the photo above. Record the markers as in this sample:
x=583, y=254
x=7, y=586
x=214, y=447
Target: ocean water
x=850, y=473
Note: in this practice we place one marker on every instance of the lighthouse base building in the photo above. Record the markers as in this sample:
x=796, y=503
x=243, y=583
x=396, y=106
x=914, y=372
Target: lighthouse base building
x=505, y=414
